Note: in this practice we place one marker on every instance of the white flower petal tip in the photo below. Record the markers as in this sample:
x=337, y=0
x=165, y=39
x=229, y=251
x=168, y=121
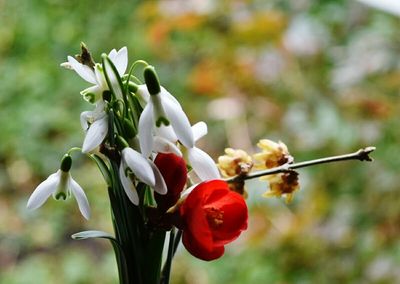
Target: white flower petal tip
x=139, y=165
x=128, y=186
x=203, y=164
x=43, y=191
x=179, y=122
x=85, y=72
x=160, y=186
x=95, y=134
x=199, y=130
x=66, y=65
x=80, y=197
x=162, y=145
x=121, y=60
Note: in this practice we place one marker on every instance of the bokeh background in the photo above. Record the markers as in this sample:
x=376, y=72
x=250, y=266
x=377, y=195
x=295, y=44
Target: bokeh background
x=322, y=76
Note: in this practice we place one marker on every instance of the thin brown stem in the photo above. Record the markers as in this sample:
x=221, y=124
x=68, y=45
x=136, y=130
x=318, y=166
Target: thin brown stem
x=361, y=155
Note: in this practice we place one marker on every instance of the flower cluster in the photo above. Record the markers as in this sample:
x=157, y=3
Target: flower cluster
x=158, y=180
x=136, y=133
x=143, y=143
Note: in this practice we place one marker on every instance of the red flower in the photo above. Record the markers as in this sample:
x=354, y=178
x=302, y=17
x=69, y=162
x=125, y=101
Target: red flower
x=173, y=169
x=213, y=216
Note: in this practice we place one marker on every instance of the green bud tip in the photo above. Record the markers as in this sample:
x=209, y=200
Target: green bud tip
x=121, y=142
x=129, y=128
x=66, y=163
x=107, y=95
x=151, y=79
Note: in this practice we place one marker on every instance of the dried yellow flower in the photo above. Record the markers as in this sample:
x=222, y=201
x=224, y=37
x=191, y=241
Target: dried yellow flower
x=283, y=184
x=234, y=162
x=272, y=155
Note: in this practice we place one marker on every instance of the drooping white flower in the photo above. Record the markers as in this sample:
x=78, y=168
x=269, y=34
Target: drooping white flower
x=95, y=124
x=61, y=185
x=162, y=108
x=203, y=165
x=96, y=76
x=132, y=162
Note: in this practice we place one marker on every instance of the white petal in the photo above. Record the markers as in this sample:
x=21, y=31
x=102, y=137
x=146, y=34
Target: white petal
x=145, y=130
x=43, y=191
x=199, y=130
x=166, y=132
x=112, y=54
x=92, y=94
x=84, y=71
x=140, y=166
x=128, y=186
x=84, y=118
x=66, y=65
x=160, y=185
x=165, y=93
x=121, y=60
x=101, y=80
x=143, y=95
x=80, y=197
x=162, y=145
x=95, y=135
x=114, y=84
x=179, y=122
x=203, y=164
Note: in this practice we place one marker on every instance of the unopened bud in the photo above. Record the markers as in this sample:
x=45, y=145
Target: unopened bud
x=66, y=163
x=151, y=79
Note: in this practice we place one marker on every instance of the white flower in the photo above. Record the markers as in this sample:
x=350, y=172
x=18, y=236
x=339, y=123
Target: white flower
x=203, y=165
x=96, y=76
x=95, y=123
x=60, y=185
x=161, y=107
x=143, y=169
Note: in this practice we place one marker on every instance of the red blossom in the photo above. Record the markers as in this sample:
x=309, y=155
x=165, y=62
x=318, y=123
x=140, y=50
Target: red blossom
x=213, y=216
x=173, y=169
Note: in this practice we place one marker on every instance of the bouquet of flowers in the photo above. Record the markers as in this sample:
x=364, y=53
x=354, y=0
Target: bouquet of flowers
x=158, y=182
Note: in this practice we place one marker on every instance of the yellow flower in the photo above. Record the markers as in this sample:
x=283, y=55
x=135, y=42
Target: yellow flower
x=235, y=162
x=283, y=184
x=272, y=155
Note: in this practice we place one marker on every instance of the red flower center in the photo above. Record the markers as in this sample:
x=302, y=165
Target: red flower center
x=215, y=217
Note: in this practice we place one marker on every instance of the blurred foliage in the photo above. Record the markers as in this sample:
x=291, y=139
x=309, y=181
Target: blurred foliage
x=322, y=76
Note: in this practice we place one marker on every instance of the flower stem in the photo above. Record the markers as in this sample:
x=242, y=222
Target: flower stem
x=361, y=155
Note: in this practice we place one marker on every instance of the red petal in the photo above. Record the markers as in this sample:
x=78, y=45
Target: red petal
x=173, y=169
x=197, y=250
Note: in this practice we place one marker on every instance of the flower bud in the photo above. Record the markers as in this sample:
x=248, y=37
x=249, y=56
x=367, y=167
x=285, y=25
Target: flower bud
x=151, y=79
x=66, y=163
x=173, y=169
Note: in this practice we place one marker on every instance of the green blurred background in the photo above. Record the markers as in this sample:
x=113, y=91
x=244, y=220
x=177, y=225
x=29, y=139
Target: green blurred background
x=322, y=76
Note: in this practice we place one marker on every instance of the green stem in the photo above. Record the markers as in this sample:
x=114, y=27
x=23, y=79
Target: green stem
x=166, y=271
x=361, y=155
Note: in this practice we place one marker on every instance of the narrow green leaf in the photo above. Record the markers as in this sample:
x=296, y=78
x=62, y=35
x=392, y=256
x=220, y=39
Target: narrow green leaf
x=103, y=167
x=92, y=234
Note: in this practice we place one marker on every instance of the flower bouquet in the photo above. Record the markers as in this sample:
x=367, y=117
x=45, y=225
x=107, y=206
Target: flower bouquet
x=159, y=183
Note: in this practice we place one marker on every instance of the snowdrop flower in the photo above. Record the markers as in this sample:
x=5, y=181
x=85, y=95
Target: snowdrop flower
x=143, y=169
x=203, y=165
x=161, y=108
x=96, y=76
x=95, y=123
x=60, y=185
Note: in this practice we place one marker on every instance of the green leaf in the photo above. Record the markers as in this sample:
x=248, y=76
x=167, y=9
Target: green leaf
x=93, y=234
x=101, y=164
